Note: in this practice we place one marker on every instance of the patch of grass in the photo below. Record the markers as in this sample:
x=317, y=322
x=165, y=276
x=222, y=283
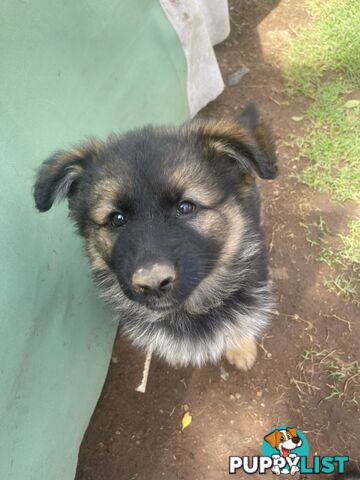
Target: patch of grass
x=332, y=144
x=348, y=253
x=328, y=108
x=346, y=257
x=346, y=284
x=342, y=371
x=340, y=375
x=310, y=354
x=324, y=64
x=330, y=44
x=351, y=242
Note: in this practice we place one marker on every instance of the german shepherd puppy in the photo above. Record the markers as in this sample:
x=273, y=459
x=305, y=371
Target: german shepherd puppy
x=171, y=219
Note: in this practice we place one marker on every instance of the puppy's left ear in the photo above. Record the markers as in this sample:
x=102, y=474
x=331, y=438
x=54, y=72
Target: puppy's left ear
x=60, y=174
x=247, y=140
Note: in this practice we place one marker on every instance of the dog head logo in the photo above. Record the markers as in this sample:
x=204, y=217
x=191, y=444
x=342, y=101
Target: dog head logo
x=285, y=450
x=285, y=443
x=284, y=440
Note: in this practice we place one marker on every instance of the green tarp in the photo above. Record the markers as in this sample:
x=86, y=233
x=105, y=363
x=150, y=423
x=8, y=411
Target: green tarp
x=67, y=70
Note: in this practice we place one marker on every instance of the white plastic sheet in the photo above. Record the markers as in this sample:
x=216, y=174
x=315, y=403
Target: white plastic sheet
x=200, y=24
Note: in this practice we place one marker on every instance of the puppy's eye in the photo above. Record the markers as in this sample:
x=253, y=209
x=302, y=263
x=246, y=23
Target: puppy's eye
x=116, y=219
x=185, y=207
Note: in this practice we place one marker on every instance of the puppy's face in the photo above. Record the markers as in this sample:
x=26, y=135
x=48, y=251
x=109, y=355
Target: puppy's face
x=161, y=209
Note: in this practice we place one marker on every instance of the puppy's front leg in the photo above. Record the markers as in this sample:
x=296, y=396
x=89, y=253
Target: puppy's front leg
x=241, y=354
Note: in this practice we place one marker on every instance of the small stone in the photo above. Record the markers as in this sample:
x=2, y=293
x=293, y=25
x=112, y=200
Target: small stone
x=235, y=77
x=224, y=374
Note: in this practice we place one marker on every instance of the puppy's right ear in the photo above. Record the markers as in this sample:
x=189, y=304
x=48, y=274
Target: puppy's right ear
x=247, y=140
x=60, y=174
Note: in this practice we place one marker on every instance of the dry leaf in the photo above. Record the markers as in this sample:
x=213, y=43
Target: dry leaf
x=186, y=420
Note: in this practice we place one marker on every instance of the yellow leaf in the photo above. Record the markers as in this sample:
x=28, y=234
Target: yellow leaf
x=186, y=420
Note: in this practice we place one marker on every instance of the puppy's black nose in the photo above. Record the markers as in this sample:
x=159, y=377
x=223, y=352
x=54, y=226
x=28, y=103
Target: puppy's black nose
x=154, y=279
x=296, y=440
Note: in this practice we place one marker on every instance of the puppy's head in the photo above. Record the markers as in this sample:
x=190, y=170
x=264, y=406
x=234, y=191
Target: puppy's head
x=161, y=209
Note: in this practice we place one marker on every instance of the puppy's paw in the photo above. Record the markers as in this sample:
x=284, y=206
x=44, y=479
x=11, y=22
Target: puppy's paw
x=242, y=355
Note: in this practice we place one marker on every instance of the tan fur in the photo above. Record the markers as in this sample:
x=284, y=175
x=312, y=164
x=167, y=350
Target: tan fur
x=236, y=221
x=223, y=135
x=195, y=303
x=106, y=192
x=97, y=262
x=243, y=355
x=105, y=240
x=83, y=151
x=192, y=179
x=219, y=129
x=206, y=223
x=99, y=246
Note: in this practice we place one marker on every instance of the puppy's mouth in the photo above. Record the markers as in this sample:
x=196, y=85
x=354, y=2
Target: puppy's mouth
x=157, y=303
x=159, y=306
x=154, y=304
x=166, y=303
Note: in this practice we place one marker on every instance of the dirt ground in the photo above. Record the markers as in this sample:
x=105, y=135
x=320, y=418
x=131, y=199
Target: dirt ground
x=134, y=436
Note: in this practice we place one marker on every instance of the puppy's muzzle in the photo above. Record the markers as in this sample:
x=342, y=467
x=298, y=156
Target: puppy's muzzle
x=154, y=280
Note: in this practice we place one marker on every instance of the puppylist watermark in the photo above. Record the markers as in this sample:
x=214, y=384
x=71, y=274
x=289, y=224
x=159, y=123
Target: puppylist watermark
x=285, y=450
